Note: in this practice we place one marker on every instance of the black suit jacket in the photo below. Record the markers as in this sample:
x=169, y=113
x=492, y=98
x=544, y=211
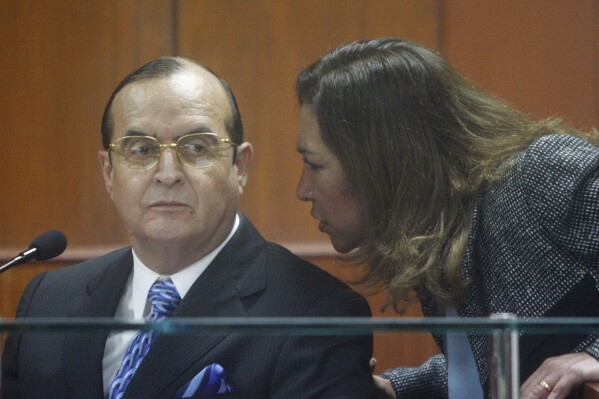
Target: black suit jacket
x=249, y=278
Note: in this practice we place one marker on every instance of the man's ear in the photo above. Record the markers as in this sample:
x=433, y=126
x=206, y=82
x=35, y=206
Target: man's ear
x=245, y=154
x=106, y=166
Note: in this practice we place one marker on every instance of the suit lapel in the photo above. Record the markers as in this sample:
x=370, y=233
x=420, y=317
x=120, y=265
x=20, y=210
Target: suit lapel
x=234, y=275
x=84, y=351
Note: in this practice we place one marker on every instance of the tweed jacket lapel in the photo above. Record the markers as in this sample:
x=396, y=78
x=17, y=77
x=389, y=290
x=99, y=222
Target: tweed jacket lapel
x=84, y=351
x=513, y=255
x=473, y=304
x=532, y=247
x=234, y=275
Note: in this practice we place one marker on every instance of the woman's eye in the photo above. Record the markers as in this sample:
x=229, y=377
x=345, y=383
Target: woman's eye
x=312, y=166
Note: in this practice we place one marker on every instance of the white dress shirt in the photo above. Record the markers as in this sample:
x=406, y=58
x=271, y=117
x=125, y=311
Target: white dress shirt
x=134, y=304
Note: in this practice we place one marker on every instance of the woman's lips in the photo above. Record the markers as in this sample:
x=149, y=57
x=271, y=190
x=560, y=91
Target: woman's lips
x=322, y=226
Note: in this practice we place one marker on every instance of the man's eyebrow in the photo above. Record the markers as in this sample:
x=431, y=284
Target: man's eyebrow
x=200, y=129
x=136, y=133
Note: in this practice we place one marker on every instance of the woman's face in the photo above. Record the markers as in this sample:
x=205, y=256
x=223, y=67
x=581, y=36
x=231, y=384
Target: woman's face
x=324, y=183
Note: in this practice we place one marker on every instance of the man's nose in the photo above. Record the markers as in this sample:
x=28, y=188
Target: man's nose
x=170, y=170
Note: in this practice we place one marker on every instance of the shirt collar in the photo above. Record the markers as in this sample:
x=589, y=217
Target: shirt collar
x=144, y=277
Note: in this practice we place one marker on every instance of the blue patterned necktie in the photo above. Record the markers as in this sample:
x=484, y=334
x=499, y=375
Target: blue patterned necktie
x=164, y=299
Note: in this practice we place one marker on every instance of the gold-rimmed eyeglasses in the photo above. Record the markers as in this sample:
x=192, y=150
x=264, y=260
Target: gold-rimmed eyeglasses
x=198, y=150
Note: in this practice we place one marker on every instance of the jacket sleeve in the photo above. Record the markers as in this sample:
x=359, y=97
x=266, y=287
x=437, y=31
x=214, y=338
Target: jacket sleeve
x=570, y=192
x=564, y=197
x=327, y=366
x=426, y=381
x=10, y=355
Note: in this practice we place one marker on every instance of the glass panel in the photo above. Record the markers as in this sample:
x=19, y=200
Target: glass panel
x=504, y=332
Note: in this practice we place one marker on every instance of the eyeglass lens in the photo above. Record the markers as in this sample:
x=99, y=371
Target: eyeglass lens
x=197, y=150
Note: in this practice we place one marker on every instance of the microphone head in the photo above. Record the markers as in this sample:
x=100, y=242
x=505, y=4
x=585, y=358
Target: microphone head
x=49, y=244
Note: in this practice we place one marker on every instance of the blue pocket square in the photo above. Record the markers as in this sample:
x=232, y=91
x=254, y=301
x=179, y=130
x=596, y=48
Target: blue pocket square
x=211, y=380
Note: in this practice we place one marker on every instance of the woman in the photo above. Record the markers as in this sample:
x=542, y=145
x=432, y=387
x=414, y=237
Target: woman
x=455, y=199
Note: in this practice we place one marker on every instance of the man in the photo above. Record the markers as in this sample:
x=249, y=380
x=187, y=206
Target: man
x=175, y=164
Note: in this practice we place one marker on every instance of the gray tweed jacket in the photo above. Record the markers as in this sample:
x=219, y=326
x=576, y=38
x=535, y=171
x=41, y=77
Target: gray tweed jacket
x=534, y=251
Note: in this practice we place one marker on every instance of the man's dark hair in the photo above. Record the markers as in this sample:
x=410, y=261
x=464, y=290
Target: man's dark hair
x=164, y=67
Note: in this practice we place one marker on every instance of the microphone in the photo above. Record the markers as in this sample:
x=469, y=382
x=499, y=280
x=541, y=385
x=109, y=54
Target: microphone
x=45, y=246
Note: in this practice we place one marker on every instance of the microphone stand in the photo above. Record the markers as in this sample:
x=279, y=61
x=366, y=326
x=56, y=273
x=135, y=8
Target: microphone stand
x=21, y=258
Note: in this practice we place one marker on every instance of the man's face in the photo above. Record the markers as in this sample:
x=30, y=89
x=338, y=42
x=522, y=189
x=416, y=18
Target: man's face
x=172, y=202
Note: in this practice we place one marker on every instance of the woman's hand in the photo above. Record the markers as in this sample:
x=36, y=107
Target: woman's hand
x=383, y=386
x=557, y=376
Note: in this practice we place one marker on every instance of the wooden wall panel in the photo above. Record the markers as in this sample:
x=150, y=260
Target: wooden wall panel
x=60, y=61
x=540, y=56
x=58, y=76
x=258, y=47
